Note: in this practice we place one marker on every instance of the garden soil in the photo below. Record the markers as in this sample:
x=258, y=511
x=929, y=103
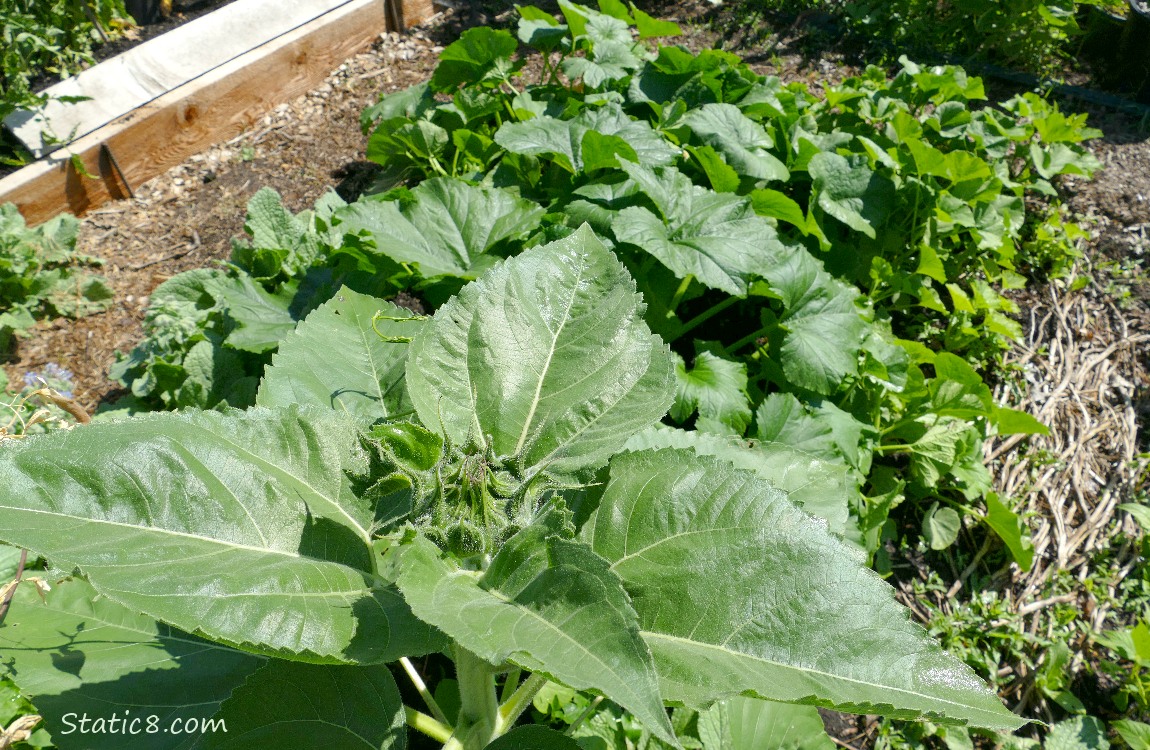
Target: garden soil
x=1085, y=361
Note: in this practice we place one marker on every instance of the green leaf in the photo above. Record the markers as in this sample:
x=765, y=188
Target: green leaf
x=1134, y=733
x=446, y=228
x=822, y=430
x=743, y=142
x=723, y=178
x=335, y=359
x=1078, y=733
x=611, y=61
x=940, y=526
x=937, y=446
x=820, y=487
x=604, y=151
x=242, y=526
x=717, y=389
x=262, y=319
x=776, y=205
x=534, y=737
x=269, y=223
x=714, y=236
x=750, y=724
x=740, y=593
x=1141, y=514
x=285, y=704
x=546, y=355
x=546, y=604
x=79, y=653
x=1014, y=422
x=824, y=335
x=1011, y=530
x=650, y=27
x=472, y=57
x=851, y=192
x=9, y=563
x=562, y=140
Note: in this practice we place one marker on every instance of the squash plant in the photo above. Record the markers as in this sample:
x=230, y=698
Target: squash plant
x=473, y=484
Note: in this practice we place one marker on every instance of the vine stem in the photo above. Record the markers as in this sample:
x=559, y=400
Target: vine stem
x=704, y=316
x=425, y=724
x=510, y=684
x=424, y=693
x=684, y=285
x=582, y=717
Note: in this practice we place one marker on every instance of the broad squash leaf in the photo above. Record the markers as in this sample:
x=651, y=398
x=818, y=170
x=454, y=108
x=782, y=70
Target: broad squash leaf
x=743, y=142
x=714, y=236
x=851, y=192
x=472, y=57
x=446, y=228
x=335, y=359
x=717, y=389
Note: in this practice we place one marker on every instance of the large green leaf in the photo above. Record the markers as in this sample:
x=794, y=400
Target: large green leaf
x=335, y=359
x=824, y=336
x=740, y=593
x=849, y=191
x=335, y=707
x=77, y=653
x=562, y=140
x=549, y=605
x=743, y=142
x=243, y=526
x=472, y=57
x=750, y=724
x=262, y=318
x=445, y=228
x=714, y=236
x=717, y=389
x=819, y=486
x=547, y=356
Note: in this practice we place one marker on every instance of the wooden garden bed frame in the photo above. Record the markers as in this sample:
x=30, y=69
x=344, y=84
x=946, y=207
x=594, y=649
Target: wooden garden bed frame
x=209, y=109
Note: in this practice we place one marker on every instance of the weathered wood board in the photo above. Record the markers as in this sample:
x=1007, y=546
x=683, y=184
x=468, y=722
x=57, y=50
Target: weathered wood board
x=152, y=69
x=209, y=109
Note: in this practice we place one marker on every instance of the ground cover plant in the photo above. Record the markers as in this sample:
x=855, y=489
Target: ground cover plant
x=42, y=275
x=459, y=484
x=48, y=37
x=1037, y=36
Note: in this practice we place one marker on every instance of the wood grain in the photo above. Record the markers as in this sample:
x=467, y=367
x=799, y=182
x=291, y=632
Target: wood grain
x=139, y=75
x=211, y=109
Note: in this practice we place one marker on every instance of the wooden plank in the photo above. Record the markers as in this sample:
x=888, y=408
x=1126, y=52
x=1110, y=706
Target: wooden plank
x=213, y=108
x=130, y=80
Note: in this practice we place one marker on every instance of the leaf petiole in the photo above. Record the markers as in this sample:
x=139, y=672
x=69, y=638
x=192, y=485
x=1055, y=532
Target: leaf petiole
x=678, y=297
x=424, y=693
x=425, y=724
x=520, y=700
x=704, y=316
